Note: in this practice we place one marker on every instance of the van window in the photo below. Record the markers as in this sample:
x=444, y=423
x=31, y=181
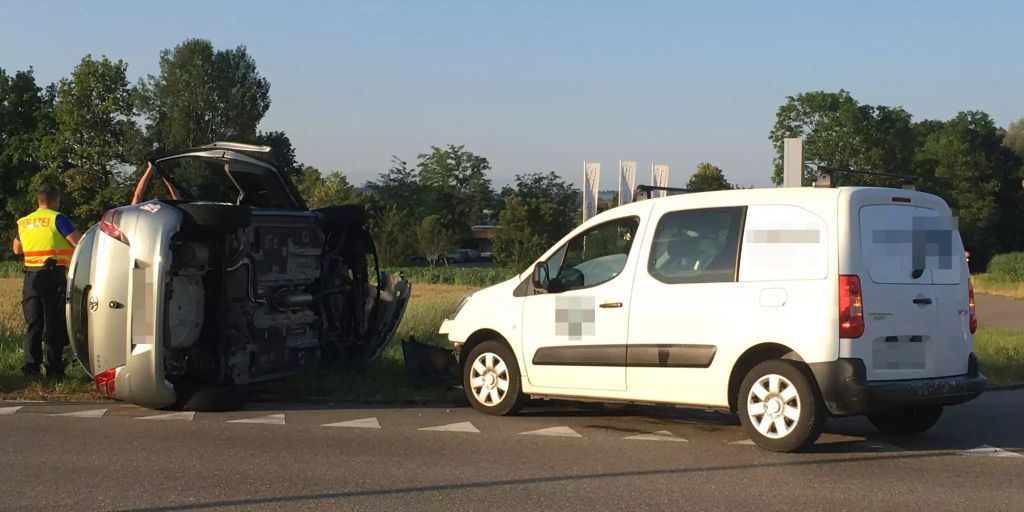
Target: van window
x=897, y=240
x=696, y=246
x=594, y=256
x=783, y=243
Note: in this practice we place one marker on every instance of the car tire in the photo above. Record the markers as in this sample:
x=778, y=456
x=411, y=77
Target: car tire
x=490, y=366
x=221, y=217
x=209, y=399
x=906, y=421
x=781, y=391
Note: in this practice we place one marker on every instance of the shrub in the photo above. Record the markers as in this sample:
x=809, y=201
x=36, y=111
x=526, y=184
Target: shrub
x=1008, y=267
x=462, y=276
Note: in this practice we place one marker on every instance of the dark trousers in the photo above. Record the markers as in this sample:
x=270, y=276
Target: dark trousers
x=43, y=304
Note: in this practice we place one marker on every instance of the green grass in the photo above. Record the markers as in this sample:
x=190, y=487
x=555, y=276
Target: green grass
x=1007, y=267
x=460, y=276
x=10, y=269
x=382, y=380
x=995, y=285
x=1002, y=355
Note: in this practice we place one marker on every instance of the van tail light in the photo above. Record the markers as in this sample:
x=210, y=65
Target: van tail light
x=105, y=383
x=851, y=307
x=971, y=305
x=110, y=224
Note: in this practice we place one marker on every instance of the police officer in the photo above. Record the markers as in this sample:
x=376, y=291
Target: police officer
x=47, y=239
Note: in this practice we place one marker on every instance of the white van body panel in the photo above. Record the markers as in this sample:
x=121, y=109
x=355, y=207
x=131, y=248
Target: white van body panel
x=795, y=244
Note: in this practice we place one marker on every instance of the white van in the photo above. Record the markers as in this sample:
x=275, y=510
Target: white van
x=784, y=305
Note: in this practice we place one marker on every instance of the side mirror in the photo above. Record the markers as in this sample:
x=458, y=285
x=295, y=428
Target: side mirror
x=540, y=278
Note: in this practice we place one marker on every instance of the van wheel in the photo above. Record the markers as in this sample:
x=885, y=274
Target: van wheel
x=906, y=420
x=492, y=381
x=209, y=399
x=780, y=407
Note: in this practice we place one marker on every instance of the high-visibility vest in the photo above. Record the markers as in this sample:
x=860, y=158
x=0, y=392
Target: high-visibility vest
x=41, y=240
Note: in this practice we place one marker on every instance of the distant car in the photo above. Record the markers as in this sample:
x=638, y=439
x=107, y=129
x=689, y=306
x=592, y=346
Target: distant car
x=181, y=303
x=487, y=255
x=780, y=305
x=469, y=255
x=454, y=256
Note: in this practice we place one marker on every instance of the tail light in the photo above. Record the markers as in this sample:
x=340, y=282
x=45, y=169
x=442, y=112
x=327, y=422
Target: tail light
x=971, y=306
x=851, y=307
x=105, y=383
x=110, y=224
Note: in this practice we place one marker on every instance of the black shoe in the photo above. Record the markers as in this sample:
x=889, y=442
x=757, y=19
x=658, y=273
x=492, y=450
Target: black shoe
x=31, y=371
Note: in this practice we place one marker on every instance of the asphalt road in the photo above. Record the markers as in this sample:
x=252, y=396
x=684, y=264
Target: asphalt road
x=1002, y=312
x=286, y=458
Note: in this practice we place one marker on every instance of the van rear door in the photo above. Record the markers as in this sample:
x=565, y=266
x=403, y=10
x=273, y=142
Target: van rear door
x=915, y=300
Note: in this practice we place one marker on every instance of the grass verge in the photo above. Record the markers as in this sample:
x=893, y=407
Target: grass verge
x=993, y=285
x=384, y=379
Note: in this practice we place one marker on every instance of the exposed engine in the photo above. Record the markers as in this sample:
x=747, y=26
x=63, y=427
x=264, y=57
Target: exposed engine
x=268, y=300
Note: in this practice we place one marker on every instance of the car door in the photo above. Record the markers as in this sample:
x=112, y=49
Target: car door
x=574, y=333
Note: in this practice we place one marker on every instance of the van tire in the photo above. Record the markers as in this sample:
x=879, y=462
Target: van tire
x=210, y=399
x=906, y=421
x=221, y=217
x=810, y=408
x=513, y=399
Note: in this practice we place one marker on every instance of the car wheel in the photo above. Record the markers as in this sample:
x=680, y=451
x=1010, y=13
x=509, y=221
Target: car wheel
x=492, y=381
x=224, y=217
x=780, y=407
x=209, y=399
x=906, y=420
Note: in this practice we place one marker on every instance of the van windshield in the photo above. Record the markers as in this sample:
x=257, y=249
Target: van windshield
x=904, y=244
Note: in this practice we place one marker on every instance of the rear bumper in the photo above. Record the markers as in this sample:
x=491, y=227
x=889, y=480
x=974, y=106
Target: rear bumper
x=846, y=390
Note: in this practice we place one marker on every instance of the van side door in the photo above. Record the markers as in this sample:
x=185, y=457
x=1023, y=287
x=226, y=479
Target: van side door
x=574, y=333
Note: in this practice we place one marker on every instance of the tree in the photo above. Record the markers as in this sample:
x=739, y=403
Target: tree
x=839, y=132
x=203, y=95
x=707, y=178
x=433, y=239
x=392, y=232
x=1014, y=138
x=96, y=137
x=25, y=116
x=282, y=153
x=320, y=191
x=399, y=186
x=538, y=212
x=457, y=186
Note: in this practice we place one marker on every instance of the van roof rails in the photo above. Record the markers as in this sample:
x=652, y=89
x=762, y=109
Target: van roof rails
x=826, y=177
x=644, y=191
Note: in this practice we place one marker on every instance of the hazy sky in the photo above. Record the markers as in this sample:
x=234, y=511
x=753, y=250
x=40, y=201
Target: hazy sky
x=542, y=86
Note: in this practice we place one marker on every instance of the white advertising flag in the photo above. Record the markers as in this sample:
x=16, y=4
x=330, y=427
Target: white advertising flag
x=659, y=178
x=591, y=186
x=627, y=181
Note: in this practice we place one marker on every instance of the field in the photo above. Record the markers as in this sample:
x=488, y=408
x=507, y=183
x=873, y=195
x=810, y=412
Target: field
x=383, y=380
x=993, y=285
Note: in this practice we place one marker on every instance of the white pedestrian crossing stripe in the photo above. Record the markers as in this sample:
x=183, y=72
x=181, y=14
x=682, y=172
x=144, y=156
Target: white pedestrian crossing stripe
x=745, y=442
x=273, y=419
x=362, y=423
x=91, y=413
x=9, y=410
x=553, y=431
x=174, y=416
x=661, y=435
x=990, y=451
x=464, y=426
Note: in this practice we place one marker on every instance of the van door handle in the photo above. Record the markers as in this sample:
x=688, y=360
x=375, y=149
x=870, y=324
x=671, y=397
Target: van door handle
x=607, y=305
x=922, y=301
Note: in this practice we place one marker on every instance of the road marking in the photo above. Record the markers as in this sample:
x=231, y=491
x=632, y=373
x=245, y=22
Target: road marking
x=273, y=419
x=661, y=435
x=91, y=413
x=990, y=451
x=464, y=426
x=9, y=410
x=174, y=416
x=363, y=423
x=553, y=431
x=745, y=442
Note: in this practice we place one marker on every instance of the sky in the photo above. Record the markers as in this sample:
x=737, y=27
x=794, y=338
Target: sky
x=546, y=85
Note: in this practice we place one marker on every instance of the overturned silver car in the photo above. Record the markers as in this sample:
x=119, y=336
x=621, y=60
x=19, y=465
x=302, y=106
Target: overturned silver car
x=225, y=281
